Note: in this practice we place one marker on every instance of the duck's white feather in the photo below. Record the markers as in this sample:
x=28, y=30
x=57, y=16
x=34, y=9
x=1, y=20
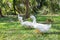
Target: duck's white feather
x=39, y=26
x=24, y=23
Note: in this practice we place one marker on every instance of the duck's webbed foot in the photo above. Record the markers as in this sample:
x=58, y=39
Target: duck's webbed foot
x=38, y=31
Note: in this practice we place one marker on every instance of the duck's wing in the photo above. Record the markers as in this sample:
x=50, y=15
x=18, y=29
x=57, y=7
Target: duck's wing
x=43, y=27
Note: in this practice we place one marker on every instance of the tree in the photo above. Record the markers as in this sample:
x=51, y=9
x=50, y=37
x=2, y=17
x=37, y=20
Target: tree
x=0, y=8
x=1, y=13
x=14, y=2
x=27, y=8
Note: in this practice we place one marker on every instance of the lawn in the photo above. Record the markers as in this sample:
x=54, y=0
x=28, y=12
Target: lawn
x=11, y=29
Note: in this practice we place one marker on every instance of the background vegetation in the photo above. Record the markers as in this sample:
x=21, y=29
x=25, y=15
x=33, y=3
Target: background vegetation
x=41, y=7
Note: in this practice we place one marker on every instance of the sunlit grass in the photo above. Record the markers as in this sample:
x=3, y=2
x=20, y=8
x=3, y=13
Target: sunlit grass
x=11, y=29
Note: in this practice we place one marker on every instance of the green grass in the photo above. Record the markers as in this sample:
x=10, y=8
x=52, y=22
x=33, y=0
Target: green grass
x=10, y=29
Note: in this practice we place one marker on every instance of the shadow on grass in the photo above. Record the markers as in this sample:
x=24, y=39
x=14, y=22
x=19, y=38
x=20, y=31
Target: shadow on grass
x=8, y=19
x=27, y=29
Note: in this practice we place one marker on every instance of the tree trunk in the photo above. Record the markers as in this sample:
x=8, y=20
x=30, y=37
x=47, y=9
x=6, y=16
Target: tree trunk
x=1, y=13
x=27, y=8
x=14, y=6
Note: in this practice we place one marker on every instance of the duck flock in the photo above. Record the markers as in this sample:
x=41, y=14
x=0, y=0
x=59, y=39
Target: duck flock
x=42, y=28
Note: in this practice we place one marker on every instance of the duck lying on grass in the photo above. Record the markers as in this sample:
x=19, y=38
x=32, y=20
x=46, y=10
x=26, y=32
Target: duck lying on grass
x=40, y=28
x=24, y=23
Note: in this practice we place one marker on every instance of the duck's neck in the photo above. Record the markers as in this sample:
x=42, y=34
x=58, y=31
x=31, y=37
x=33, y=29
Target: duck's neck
x=21, y=21
x=34, y=20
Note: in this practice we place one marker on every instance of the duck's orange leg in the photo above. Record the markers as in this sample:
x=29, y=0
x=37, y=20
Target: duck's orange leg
x=38, y=31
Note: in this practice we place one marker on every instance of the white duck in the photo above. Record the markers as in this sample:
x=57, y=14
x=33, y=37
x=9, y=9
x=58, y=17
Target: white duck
x=24, y=23
x=40, y=27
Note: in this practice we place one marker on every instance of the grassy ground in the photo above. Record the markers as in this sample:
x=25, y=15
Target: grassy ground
x=10, y=29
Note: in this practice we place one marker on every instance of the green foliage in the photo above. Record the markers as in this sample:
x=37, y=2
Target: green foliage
x=35, y=6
